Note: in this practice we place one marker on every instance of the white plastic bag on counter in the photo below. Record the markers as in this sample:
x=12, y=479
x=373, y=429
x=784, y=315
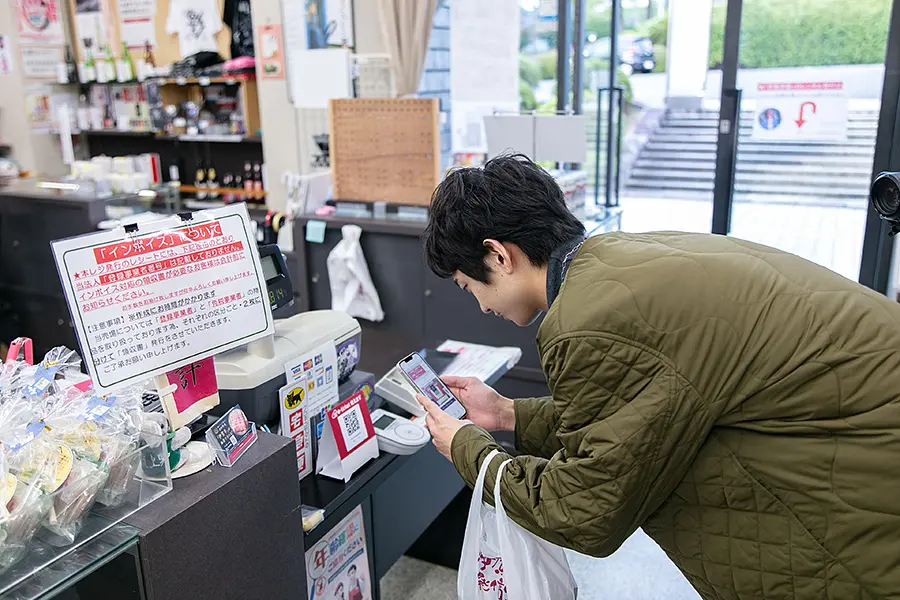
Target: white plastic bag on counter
x=502, y=561
x=352, y=290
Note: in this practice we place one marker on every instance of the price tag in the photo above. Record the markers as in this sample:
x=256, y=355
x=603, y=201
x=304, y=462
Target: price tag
x=42, y=380
x=98, y=406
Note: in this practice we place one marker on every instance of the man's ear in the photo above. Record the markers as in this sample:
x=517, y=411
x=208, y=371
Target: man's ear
x=499, y=255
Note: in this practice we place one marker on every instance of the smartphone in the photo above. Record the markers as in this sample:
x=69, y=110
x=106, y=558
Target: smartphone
x=422, y=377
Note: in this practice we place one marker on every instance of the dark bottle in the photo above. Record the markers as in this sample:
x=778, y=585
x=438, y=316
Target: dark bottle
x=248, y=177
x=200, y=181
x=212, y=183
x=237, y=185
x=257, y=178
x=227, y=184
x=71, y=67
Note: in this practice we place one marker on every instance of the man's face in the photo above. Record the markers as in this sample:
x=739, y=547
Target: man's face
x=502, y=296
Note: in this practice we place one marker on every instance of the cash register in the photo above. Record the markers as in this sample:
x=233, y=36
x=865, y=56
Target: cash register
x=252, y=375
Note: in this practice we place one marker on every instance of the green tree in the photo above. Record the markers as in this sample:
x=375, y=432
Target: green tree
x=529, y=71
x=800, y=33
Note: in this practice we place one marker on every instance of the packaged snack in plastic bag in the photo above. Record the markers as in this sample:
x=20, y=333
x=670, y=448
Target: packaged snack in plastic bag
x=31, y=471
x=79, y=442
x=120, y=429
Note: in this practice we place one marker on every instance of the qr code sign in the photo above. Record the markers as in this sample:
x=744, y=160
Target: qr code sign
x=352, y=428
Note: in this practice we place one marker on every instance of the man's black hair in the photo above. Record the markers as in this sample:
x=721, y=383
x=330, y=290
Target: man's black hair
x=509, y=199
x=352, y=568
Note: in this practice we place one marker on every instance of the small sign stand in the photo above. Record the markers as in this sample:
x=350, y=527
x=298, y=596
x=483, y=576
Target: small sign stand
x=348, y=439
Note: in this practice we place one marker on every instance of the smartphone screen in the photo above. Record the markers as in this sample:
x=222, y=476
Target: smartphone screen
x=423, y=378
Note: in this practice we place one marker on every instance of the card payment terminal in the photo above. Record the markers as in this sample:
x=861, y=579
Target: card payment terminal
x=397, y=435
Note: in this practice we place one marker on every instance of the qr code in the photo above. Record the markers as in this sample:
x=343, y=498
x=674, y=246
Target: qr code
x=351, y=423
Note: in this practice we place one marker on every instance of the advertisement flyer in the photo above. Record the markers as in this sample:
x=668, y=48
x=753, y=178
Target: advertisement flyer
x=37, y=107
x=338, y=566
x=39, y=22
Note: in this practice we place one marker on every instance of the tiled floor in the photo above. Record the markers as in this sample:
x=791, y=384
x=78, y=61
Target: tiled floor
x=830, y=236
x=637, y=571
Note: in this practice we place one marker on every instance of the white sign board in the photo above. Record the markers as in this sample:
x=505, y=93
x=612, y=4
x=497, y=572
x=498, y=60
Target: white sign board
x=169, y=293
x=800, y=111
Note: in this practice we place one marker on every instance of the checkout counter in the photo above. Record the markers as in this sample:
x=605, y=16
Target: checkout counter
x=223, y=533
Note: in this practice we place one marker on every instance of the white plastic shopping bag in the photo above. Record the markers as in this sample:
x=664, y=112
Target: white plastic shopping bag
x=352, y=290
x=502, y=561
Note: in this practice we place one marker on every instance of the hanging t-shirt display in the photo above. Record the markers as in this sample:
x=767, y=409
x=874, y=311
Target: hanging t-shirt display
x=237, y=17
x=196, y=22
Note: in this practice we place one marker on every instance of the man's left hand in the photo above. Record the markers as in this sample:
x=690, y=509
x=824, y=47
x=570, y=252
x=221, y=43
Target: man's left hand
x=441, y=425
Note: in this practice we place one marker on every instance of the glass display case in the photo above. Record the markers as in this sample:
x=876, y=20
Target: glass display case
x=40, y=560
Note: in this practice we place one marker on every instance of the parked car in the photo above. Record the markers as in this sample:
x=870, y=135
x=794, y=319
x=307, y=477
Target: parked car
x=635, y=53
x=638, y=54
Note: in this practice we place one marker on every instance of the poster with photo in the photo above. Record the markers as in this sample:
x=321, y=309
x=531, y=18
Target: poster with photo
x=39, y=22
x=337, y=568
x=37, y=108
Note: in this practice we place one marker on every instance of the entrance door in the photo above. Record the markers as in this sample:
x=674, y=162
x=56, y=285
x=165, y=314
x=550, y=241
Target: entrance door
x=800, y=104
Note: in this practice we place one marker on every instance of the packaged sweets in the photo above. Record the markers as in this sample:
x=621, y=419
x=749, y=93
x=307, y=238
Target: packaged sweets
x=63, y=448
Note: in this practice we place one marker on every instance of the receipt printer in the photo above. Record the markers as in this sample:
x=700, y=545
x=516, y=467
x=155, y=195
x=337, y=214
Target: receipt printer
x=252, y=375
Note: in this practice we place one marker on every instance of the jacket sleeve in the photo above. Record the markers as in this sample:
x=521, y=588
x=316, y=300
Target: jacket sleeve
x=639, y=425
x=536, y=426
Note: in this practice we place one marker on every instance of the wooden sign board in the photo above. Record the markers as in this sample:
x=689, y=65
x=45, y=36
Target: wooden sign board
x=385, y=149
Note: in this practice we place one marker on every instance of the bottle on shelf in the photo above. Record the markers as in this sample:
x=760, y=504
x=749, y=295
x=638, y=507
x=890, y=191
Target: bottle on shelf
x=248, y=177
x=237, y=183
x=89, y=70
x=200, y=181
x=125, y=70
x=148, y=55
x=228, y=183
x=100, y=63
x=110, y=63
x=212, y=183
x=108, y=121
x=67, y=71
x=257, y=178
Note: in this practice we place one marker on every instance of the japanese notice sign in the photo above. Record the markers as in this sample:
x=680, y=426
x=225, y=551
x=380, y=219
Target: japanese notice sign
x=798, y=111
x=39, y=22
x=188, y=391
x=41, y=62
x=295, y=423
x=161, y=297
x=338, y=565
x=348, y=439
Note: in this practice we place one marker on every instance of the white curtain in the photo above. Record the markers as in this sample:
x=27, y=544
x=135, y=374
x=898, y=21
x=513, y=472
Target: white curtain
x=406, y=25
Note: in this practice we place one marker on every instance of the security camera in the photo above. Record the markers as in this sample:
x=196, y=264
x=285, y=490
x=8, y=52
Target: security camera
x=885, y=195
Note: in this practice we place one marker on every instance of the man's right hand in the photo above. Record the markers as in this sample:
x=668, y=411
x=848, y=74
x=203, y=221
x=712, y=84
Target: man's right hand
x=484, y=406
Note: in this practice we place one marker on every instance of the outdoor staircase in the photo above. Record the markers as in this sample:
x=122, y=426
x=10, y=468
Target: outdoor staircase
x=679, y=160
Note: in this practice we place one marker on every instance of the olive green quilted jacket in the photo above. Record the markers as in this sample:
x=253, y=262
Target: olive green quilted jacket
x=740, y=404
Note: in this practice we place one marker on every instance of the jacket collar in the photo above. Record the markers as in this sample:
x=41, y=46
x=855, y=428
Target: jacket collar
x=558, y=265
